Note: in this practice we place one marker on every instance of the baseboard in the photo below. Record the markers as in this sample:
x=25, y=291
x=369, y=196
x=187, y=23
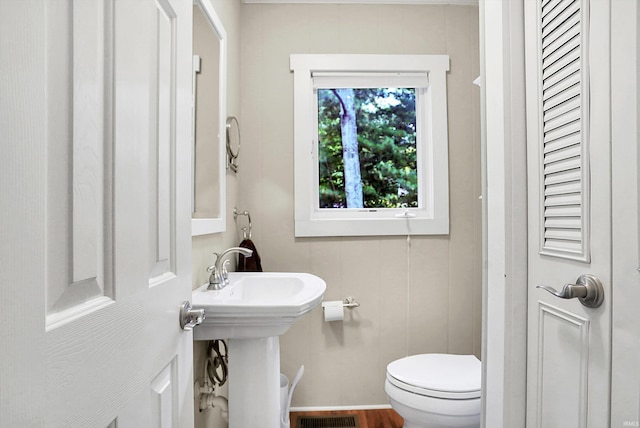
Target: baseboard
x=340, y=408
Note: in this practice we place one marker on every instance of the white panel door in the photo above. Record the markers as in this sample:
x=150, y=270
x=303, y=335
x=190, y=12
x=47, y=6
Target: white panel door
x=625, y=136
x=569, y=195
x=98, y=173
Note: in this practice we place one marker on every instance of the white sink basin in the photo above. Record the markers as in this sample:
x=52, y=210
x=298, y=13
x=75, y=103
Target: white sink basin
x=256, y=304
x=252, y=312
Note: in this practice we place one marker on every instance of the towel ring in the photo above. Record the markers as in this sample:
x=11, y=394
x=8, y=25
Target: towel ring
x=246, y=232
x=232, y=127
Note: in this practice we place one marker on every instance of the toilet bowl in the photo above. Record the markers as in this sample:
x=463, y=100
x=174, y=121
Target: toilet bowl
x=436, y=390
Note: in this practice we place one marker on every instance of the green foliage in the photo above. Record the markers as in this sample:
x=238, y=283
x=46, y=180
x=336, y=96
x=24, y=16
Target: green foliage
x=386, y=121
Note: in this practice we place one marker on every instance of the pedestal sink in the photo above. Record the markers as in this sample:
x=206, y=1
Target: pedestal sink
x=251, y=313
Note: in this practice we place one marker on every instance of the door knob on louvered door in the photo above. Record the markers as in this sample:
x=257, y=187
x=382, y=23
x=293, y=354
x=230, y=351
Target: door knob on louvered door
x=588, y=289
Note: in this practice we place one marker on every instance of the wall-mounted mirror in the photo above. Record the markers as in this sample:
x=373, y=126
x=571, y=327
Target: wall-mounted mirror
x=209, y=116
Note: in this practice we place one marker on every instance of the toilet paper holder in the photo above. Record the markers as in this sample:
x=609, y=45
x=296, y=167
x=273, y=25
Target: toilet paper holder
x=334, y=310
x=350, y=302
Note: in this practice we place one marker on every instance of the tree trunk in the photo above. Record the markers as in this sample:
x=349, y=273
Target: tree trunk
x=351, y=159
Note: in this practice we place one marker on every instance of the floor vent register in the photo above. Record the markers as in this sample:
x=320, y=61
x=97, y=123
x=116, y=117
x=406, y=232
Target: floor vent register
x=348, y=421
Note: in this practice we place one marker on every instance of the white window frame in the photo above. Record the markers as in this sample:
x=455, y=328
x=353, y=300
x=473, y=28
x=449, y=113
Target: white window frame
x=432, y=217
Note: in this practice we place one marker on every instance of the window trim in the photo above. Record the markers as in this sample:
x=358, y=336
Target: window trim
x=433, y=217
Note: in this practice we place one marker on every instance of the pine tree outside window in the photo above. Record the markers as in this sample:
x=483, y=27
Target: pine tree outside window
x=370, y=144
x=367, y=147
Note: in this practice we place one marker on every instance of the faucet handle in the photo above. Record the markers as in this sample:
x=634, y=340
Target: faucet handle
x=212, y=274
x=225, y=272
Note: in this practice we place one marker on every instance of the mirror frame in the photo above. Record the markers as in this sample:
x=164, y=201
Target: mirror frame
x=205, y=226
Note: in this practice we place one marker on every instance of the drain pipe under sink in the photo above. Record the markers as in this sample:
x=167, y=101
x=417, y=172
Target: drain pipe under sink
x=219, y=402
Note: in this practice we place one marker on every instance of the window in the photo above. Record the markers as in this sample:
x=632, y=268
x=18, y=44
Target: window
x=370, y=144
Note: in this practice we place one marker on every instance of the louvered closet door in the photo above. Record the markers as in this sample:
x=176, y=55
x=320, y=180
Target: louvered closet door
x=568, y=150
x=564, y=103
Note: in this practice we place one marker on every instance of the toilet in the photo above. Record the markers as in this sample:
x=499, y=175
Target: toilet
x=436, y=390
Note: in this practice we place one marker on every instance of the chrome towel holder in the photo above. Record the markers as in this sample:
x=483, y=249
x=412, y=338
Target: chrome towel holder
x=233, y=127
x=246, y=231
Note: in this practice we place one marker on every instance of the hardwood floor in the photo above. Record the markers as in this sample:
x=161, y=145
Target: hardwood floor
x=376, y=418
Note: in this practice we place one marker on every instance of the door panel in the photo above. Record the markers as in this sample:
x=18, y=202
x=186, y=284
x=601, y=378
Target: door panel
x=77, y=195
x=562, y=367
x=111, y=242
x=562, y=37
x=569, y=195
x=625, y=134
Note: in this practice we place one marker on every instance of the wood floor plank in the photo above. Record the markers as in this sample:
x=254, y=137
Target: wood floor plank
x=383, y=418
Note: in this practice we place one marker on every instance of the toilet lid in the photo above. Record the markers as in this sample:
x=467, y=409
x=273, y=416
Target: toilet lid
x=439, y=375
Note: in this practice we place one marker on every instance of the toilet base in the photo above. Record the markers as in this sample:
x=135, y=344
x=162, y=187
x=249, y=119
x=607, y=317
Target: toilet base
x=410, y=424
x=426, y=412
x=416, y=419
x=422, y=425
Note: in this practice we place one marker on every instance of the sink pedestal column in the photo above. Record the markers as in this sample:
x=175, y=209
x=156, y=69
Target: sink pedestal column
x=254, y=383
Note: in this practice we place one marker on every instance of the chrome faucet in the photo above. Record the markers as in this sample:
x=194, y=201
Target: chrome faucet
x=219, y=277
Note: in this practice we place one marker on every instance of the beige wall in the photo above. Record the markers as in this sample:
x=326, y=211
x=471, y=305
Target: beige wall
x=419, y=297
x=202, y=246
